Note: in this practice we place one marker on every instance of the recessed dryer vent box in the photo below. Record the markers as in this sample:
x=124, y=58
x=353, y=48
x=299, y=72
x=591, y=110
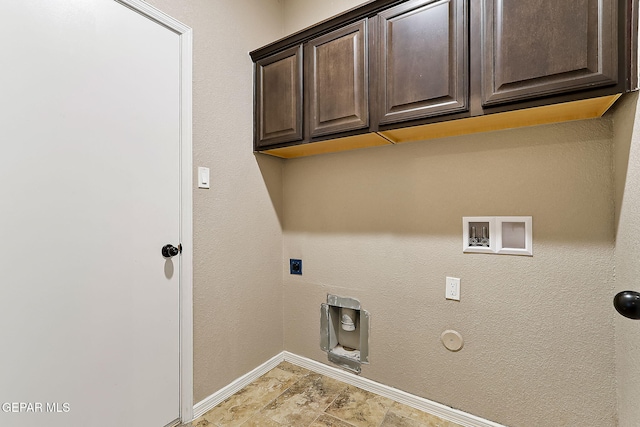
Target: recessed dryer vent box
x=503, y=235
x=344, y=332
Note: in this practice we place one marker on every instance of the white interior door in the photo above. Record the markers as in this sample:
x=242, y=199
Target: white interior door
x=89, y=194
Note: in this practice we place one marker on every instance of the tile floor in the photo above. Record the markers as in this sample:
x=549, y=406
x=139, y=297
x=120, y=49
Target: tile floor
x=292, y=396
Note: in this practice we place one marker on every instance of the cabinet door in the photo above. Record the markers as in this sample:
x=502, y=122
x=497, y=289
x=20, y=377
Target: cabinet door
x=422, y=69
x=535, y=48
x=278, y=98
x=337, y=80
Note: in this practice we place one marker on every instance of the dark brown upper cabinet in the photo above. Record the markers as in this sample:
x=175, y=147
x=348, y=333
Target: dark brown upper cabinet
x=336, y=81
x=422, y=65
x=393, y=71
x=545, y=47
x=278, y=98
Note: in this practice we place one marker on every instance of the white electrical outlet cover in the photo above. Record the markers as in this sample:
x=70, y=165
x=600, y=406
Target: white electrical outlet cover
x=452, y=288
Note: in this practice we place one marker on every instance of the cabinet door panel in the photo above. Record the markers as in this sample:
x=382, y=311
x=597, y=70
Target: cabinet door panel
x=279, y=98
x=423, y=60
x=544, y=47
x=337, y=80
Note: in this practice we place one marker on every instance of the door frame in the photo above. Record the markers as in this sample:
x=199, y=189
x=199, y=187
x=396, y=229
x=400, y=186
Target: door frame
x=186, y=197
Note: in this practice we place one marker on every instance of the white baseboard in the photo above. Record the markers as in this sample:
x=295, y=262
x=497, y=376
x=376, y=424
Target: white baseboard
x=420, y=403
x=229, y=390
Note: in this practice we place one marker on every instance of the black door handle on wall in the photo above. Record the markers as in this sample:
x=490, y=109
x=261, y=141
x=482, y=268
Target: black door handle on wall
x=627, y=303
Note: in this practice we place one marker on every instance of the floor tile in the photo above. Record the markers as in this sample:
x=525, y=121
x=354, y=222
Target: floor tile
x=303, y=401
x=291, y=396
x=295, y=418
x=260, y=420
x=314, y=391
x=231, y=413
x=359, y=407
x=325, y=420
x=276, y=380
x=423, y=418
x=294, y=369
x=200, y=422
x=395, y=420
x=244, y=404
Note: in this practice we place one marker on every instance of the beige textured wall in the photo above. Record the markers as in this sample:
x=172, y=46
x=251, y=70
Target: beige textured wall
x=627, y=253
x=299, y=14
x=384, y=225
x=237, y=233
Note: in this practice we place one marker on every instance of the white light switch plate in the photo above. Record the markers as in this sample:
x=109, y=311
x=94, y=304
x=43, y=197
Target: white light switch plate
x=453, y=288
x=203, y=177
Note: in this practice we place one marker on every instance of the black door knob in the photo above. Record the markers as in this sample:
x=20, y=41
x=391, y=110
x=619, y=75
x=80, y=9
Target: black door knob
x=169, y=251
x=628, y=304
